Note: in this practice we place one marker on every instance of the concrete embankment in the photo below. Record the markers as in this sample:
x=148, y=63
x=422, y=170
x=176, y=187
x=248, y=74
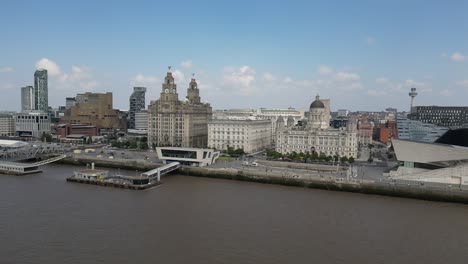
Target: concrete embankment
x=313, y=181
x=302, y=166
x=364, y=187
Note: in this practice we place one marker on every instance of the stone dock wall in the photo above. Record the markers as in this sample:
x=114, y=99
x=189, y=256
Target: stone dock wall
x=315, y=181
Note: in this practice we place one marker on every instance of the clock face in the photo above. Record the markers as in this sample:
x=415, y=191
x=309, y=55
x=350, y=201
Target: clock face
x=166, y=91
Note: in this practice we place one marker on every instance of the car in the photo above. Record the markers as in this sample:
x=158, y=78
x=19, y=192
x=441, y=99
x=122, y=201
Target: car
x=245, y=163
x=254, y=164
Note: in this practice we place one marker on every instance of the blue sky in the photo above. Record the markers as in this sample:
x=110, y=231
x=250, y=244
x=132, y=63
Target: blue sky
x=361, y=54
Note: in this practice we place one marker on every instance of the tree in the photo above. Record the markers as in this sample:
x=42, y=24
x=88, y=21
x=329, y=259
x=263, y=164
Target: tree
x=344, y=159
x=370, y=160
x=132, y=145
x=239, y=151
x=351, y=160
x=143, y=145
x=153, y=145
x=90, y=140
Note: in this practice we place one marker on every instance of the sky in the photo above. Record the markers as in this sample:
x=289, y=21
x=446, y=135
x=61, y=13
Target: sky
x=363, y=55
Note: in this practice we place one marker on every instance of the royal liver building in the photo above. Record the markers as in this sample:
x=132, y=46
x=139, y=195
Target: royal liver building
x=176, y=123
x=316, y=135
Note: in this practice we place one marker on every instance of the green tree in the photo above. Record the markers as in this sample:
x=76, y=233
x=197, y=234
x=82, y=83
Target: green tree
x=239, y=151
x=344, y=159
x=132, y=145
x=143, y=145
x=351, y=160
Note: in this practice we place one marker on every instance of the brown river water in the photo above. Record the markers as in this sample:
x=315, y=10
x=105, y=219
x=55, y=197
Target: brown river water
x=45, y=219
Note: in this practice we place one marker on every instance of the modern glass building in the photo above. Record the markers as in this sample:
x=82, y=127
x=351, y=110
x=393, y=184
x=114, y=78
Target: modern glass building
x=137, y=104
x=446, y=116
x=27, y=98
x=41, y=96
x=418, y=131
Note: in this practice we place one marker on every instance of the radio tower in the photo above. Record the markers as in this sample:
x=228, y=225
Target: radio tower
x=412, y=94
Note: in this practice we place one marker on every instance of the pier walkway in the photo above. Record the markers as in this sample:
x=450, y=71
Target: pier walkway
x=158, y=172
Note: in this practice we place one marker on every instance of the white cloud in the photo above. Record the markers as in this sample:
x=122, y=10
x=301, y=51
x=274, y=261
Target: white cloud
x=79, y=79
x=370, y=40
x=241, y=78
x=6, y=69
x=187, y=64
x=381, y=80
x=374, y=92
x=457, y=57
x=179, y=77
x=145, y=80
x=446, y=92
x=346, y=76
x=463, y=83
x=325, y=70
x=52, y=68
x=269, y=77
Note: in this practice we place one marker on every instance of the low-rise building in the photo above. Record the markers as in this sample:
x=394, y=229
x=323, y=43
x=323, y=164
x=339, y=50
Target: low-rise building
x=64, y=130
x=249, y=134
x=197, y=157
x=365, y=131
x=316, y=135
x=388, y=131
x=7, y=125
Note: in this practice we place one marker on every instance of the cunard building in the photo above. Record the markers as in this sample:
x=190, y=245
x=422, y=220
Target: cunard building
x=176, y=123
x=316, y=135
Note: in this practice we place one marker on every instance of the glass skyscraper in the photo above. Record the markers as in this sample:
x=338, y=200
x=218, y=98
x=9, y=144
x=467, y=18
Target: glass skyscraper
x=41, y=97
x=27, y=98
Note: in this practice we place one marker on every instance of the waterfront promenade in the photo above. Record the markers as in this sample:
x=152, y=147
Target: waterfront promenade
x=377, y=184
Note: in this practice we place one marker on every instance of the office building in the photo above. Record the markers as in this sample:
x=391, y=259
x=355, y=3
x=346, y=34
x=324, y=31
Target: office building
x=137, y=104
x=141, y=120
x=32, y=124
x=365, y=131
x=172, y=122
x=444, y=116
x=7, y=125
x=387, y=131
x=418, y=131
x=41, y=96
x=251, y=135
x=69, y=102
x=95, y=109
x=27, y=98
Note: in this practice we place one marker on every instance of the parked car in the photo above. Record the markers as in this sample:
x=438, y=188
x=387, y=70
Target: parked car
x=255, y=164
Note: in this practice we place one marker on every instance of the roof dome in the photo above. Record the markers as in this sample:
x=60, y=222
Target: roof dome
x=317, y=103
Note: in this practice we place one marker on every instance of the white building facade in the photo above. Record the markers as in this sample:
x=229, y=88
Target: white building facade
x=141, y=120
x=32, y=124
x=249, y=134
x=317, y=136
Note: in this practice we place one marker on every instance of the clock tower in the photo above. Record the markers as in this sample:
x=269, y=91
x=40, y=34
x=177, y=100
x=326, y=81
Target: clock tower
x=193, y=94
x=169, y=88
